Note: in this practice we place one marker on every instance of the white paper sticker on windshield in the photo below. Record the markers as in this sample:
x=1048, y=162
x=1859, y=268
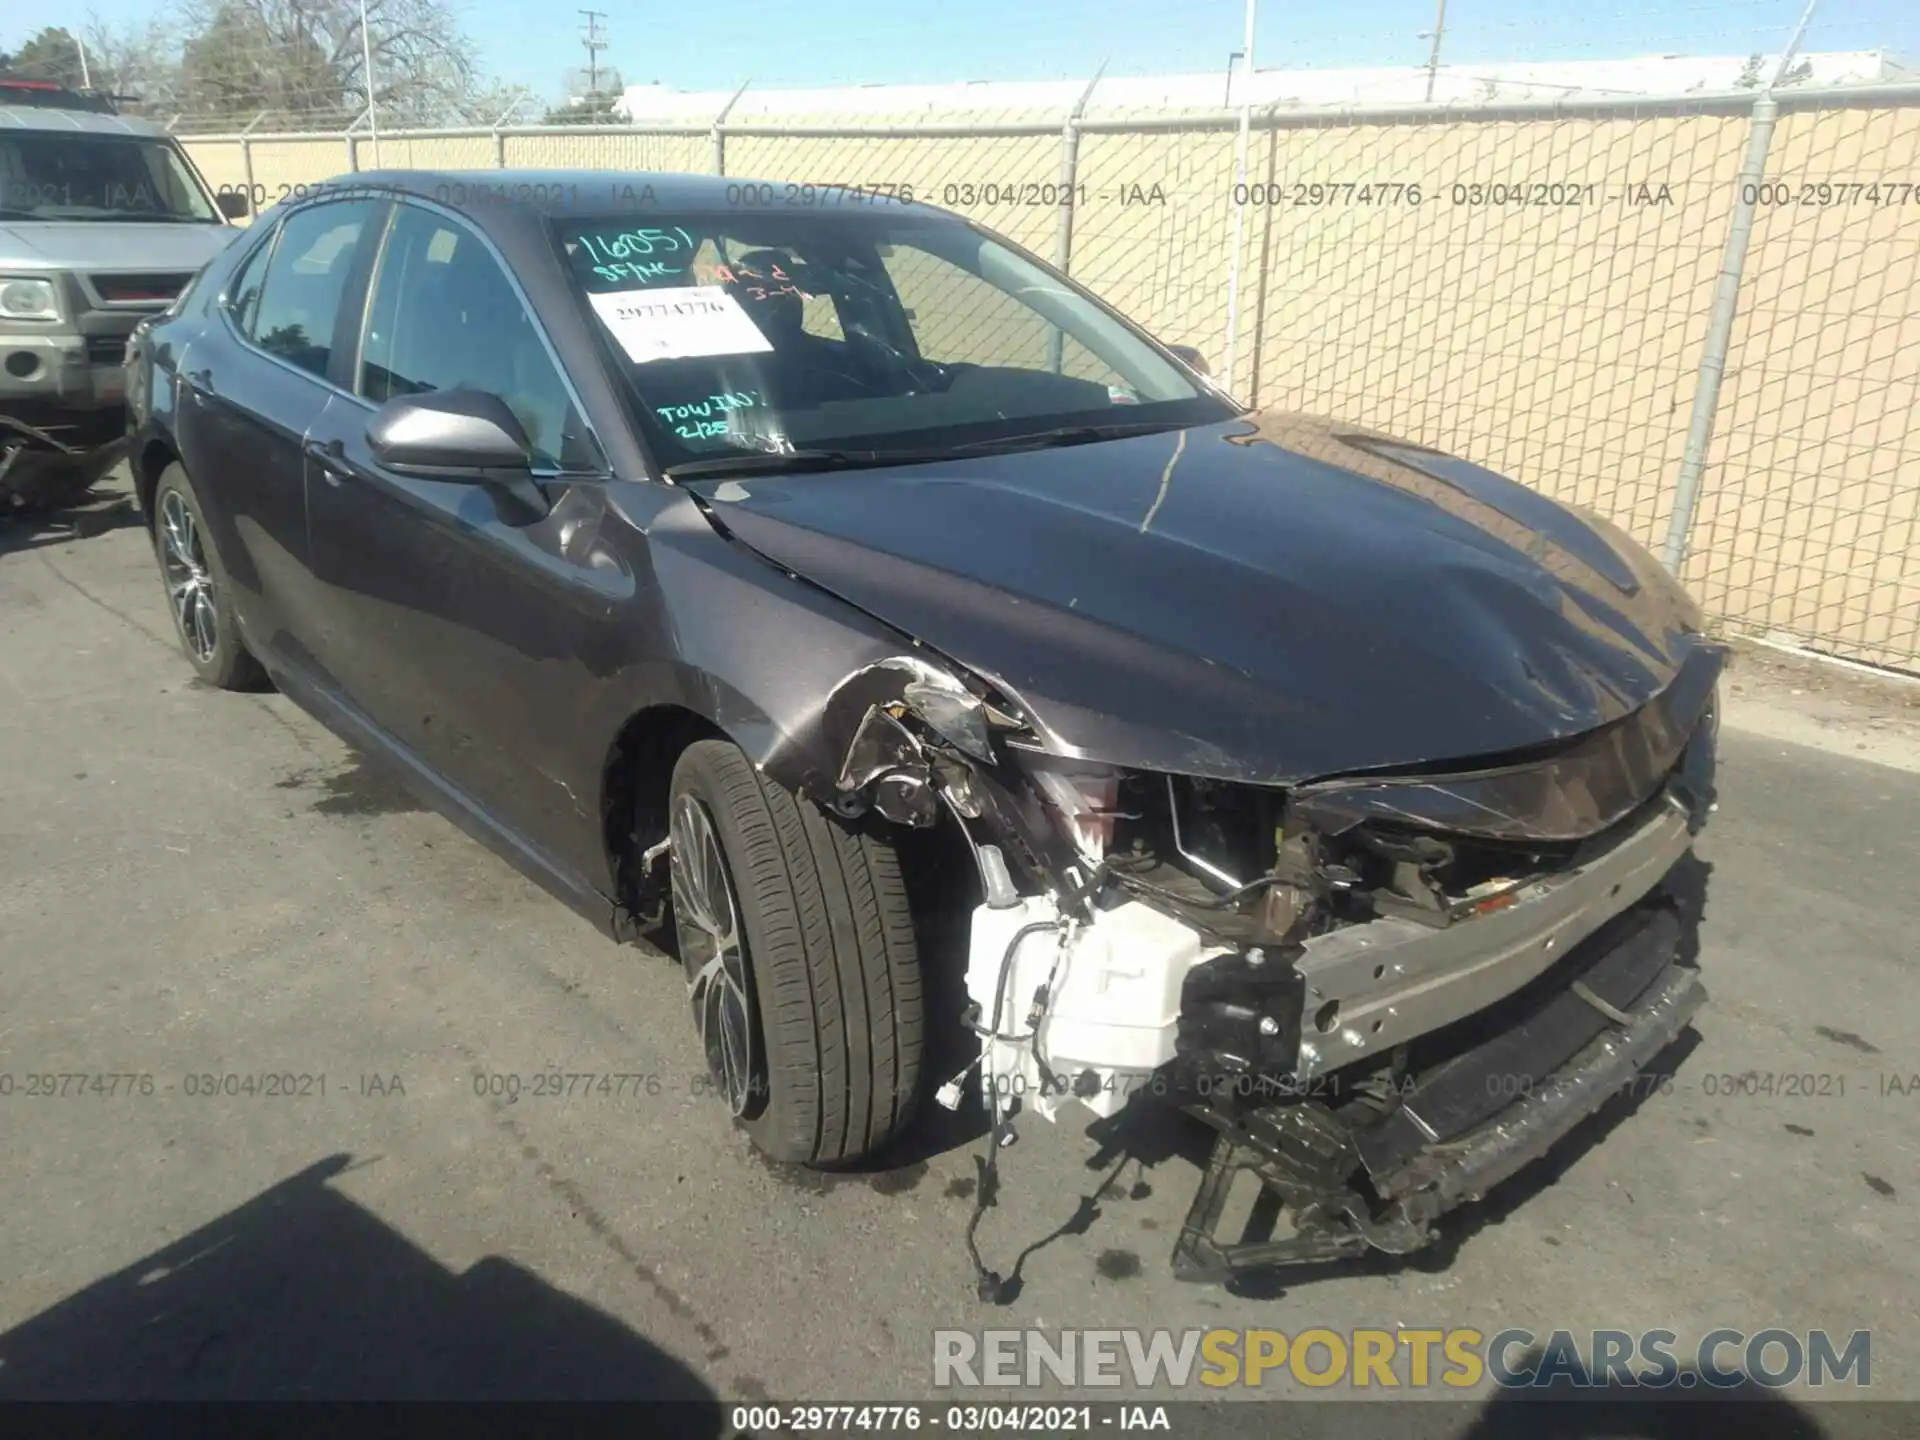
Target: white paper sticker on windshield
x=678, y=323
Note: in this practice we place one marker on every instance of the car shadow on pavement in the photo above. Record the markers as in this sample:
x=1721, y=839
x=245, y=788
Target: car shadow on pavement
x=301, y=1294
x=101, y=510
x=1733, y=1405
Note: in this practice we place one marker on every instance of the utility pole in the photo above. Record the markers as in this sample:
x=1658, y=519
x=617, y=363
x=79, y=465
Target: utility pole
x=1433, y=55
x=594, y=45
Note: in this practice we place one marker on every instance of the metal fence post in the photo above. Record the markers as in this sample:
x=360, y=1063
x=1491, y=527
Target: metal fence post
x=1726, y=305
x=1069, y=179
x=246, y=159
x=1070, y=172
x=1261, y=267
x=717, y=136
x=1243, y=142
x=499, y=139
x=1713, y=359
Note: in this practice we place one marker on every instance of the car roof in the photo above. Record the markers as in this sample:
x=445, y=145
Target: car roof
x=607, y=192
x=85, y=122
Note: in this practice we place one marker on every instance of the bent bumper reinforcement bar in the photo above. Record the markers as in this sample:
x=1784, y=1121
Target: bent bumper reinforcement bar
x=1310, y=1160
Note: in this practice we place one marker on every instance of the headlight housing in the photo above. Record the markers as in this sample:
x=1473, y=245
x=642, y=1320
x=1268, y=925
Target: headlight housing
x=1083, y=797
x=29, y=299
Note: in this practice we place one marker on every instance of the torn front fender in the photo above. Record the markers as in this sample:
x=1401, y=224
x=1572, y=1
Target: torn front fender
x=787, y=671
x=799, y=684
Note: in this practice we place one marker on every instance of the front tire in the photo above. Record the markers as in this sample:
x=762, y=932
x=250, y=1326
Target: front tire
x=198, y=594
x=797, y=940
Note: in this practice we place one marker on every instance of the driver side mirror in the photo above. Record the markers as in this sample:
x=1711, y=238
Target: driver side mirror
x=1190, y=355
x=466, y=436
x=234, y=204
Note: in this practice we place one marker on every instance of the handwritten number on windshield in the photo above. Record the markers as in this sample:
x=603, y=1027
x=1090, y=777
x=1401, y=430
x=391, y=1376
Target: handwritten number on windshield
x=623, y=255
x=626, y=244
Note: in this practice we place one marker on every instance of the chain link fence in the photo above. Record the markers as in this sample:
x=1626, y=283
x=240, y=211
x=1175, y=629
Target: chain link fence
x=1544, y=288
x=1809, y=514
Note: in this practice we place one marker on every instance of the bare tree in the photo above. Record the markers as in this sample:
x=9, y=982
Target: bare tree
x=219, y=64
x=303, y=61
x=237, y=63
x=138, y=64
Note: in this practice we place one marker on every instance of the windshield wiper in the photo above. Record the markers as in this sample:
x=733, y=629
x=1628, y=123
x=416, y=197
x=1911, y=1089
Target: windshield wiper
x=780, y=462
x=126, y=217
x=1065, y=435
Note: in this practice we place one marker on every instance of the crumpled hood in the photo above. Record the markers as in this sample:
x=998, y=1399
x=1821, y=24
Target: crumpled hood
x=111, y=244
x=1268, y=599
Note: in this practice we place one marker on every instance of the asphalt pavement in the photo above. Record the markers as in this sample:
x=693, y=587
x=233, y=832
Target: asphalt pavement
x=331, y=1168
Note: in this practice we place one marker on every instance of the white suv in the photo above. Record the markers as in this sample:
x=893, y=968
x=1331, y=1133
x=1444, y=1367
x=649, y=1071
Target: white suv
x=103, y=221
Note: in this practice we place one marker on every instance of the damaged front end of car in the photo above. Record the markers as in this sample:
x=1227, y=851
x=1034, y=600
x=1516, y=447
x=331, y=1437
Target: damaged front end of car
x=1386, y=992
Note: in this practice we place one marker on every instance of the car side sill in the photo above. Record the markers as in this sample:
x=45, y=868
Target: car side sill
x=361, y=731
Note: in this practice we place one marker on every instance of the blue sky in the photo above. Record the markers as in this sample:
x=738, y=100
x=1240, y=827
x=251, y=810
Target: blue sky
x=835, y=42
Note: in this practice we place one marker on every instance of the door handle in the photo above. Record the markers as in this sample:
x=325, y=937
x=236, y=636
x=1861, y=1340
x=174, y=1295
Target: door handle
x=330, y=456
x=200, y=381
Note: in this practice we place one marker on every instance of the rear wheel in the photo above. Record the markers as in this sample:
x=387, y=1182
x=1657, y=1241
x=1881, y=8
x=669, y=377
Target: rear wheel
x=197, y=589
x=798, y=945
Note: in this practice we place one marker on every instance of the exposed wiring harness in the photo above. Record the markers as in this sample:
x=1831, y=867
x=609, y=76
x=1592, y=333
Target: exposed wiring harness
x=989, y=1284
x=1226, y=901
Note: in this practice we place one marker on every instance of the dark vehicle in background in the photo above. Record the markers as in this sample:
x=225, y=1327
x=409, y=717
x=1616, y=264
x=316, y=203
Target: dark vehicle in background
x=103, y=220
x=694, y=553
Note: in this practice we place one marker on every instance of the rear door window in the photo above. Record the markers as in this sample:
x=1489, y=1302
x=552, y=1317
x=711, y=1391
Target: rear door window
x=243, y=289
x=306, y=279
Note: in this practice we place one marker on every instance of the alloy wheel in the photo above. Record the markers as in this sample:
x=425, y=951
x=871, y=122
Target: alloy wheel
x=190, y=586
x=706, y=922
